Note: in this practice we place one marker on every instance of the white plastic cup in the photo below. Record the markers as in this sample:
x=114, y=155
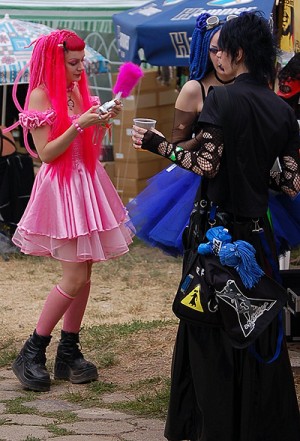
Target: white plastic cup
x=145, y=123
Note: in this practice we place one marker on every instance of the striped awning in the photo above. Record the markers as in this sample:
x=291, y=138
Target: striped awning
x=88, y=15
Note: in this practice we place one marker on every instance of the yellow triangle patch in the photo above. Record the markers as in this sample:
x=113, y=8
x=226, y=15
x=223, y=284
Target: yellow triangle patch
x=192, y=299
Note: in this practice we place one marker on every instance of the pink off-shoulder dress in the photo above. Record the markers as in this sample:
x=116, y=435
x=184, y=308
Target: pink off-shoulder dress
x=83, y=219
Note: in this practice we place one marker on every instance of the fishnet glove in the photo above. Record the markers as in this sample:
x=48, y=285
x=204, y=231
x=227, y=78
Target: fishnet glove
x=288, y=180
x=205, y=158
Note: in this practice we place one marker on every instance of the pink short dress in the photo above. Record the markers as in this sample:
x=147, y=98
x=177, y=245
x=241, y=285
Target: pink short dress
x=80, y=220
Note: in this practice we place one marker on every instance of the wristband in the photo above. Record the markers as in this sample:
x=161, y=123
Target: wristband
x=173, y=154
x=77, y=127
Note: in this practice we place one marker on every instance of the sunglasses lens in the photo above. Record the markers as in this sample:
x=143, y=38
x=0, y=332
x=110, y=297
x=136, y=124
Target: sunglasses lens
x=212, y=21
x=284, y=88
x=231, y=17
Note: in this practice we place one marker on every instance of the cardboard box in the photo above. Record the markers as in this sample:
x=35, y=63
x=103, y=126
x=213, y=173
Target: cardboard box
x=150, y=99
x=161, y=114
x=128, y=153
x=130, y=185
x=124, y=150
x=138, y=170
x=109, y=167
x=122, y=134
x=149, y=82
x=165, y=162
x=126, y=198
x=166, y=97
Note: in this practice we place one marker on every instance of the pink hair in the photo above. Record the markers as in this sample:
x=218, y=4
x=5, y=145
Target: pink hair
x=47, y=69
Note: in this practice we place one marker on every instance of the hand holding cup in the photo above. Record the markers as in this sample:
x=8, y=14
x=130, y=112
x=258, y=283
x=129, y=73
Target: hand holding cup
x=140, y=127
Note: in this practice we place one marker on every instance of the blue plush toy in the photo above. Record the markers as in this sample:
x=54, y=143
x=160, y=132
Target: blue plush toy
x=238, y=254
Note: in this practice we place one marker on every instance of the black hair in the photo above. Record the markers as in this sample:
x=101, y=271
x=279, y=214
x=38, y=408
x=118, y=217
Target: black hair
x=251, y=32
x=291, y=71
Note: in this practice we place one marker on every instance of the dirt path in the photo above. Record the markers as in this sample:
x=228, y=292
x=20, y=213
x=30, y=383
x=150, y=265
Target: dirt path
x=137, y=286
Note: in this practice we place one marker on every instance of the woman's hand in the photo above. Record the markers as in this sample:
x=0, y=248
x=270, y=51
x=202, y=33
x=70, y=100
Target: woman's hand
x=116, y=109
x=138, y=136
x=92, y=117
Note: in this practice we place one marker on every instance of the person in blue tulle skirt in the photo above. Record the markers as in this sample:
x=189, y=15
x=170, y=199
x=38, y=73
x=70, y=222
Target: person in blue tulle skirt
x=160, y=217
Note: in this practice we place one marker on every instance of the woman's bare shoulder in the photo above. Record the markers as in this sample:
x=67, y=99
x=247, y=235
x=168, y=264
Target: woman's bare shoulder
x=191, y=87
x=39, y=99
x=190, y=96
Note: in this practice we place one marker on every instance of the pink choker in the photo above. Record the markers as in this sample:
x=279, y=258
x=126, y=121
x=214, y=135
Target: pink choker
x=71, y=87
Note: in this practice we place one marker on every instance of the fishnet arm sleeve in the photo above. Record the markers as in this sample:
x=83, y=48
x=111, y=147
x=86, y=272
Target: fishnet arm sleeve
x=205, y=158
x=183, y=127
x=288, y=181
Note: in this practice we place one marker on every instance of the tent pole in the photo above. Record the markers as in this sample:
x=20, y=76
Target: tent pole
x=4, y=98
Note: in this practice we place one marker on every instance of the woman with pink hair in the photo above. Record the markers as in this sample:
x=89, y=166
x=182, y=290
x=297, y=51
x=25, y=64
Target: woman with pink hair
x=74, y=214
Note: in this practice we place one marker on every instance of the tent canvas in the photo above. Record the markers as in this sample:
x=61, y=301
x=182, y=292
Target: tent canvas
x=163, y=28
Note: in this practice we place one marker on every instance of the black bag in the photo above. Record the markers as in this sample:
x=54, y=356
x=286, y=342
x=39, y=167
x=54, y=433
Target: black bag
x=213, y=295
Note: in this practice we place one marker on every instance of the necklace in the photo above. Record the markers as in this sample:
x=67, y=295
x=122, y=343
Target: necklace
x=70, y=101
x=223, y=82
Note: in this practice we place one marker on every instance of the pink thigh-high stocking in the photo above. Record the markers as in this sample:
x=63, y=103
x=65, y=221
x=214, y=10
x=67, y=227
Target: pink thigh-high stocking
x=75, y=312
x=56, y=304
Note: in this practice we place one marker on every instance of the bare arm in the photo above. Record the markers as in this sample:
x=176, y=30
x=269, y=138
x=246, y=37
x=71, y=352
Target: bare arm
x=48, y=151
x=187, y=108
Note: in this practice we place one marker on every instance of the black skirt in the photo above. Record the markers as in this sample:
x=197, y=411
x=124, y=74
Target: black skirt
x=219, y=393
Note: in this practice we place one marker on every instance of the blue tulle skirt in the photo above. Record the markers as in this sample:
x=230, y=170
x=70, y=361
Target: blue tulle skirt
x=285, y=215
x=161, y=212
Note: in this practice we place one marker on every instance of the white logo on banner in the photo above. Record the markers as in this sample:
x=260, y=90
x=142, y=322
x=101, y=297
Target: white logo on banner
x=226, y=3
x=171, y=2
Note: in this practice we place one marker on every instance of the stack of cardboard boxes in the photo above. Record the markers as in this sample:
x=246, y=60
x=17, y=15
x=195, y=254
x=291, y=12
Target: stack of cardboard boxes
x=149, y=99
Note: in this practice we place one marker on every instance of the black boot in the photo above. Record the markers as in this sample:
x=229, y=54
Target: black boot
x=70, y=363
x=29, y=366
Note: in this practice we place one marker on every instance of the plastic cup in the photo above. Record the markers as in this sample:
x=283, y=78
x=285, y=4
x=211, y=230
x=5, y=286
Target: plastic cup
x=145, y=123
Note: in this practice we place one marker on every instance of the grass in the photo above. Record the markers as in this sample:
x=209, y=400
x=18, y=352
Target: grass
x=103, y=345
x=110, y=339
x=32, y=438
x=59, y=431
x=151, y=404
x=8, y=352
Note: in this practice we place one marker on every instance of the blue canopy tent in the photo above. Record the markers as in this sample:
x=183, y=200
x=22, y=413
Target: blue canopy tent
x=160, y=31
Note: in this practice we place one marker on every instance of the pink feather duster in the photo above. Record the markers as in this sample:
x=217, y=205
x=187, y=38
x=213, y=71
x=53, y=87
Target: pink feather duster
x=129, y=75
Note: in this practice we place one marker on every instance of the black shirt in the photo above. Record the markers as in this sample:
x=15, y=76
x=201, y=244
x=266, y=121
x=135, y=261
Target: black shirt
x=264, y=128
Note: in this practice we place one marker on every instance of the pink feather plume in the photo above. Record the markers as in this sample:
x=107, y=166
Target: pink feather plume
x=128, y=77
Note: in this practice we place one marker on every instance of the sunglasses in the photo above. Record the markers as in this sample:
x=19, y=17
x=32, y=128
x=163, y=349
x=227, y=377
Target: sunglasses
x=214, y=20
x=213, y=50
x=284, y=88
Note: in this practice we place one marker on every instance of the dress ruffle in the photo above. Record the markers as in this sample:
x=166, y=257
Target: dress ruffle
x=76, y=221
